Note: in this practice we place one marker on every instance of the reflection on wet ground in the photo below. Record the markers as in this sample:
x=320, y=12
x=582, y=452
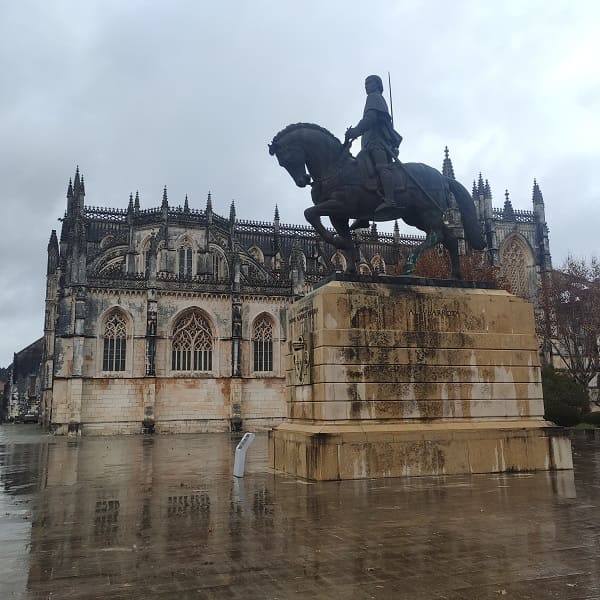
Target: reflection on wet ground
x=162, y=517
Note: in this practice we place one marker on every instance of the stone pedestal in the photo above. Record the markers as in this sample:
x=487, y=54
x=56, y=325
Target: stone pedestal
x=402, y=376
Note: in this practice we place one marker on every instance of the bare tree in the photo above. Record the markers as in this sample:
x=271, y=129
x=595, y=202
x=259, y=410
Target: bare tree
x=568, y=320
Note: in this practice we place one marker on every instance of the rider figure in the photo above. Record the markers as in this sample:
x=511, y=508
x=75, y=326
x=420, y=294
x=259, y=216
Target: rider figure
x=379, y=138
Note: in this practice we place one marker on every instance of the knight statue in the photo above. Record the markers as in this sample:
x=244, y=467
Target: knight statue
x=379, y=141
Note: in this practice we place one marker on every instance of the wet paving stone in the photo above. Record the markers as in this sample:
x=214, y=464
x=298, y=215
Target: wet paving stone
x=162, y=517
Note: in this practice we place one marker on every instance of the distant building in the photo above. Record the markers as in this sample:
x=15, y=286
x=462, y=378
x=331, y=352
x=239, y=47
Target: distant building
x=173, y=319
x=23, y=390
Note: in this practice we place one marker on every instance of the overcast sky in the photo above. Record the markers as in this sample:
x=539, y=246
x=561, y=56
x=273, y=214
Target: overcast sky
x=189, y=93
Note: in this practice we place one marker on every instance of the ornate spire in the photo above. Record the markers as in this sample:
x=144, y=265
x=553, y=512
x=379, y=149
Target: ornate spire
x=82, y=187
x=209, y=209
x=276, y=217
x=480, y=186
x=374, y=229
x=232, y=211
x=165, y=200
x=508, y=213
x=487, y=191
x=130, y=205
x=77, y=179
x=447, y=168
x=396, y=232
x=53, y=253
x=136, y=204
x=186, y=206
x=474, y=192
x=53, y=242
x=70, y=189
x=537, y=194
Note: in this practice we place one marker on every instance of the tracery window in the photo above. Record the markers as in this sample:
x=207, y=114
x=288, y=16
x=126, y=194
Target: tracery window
x=216, y=264
x=192, y=346
x=185, y=260
x=262, y=344
x=378, y=264
x=339, y=261
x=115, y=343
x=515, y=266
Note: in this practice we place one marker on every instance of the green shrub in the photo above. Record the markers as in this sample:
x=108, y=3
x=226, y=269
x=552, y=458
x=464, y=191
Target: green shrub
x=565, y=401
x=593, y=418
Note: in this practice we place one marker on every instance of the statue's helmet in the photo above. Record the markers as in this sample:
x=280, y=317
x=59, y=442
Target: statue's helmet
x=374, y=80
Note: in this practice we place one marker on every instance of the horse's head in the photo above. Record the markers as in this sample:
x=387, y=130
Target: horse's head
x=291, y=156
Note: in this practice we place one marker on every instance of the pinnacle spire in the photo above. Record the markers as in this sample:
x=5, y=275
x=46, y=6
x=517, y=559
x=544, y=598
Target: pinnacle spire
x=232, y=211
x=209, y=202
x=508, y=212
x=487, y=191
x=447, y=168
x=70, y=189
x=537, y=194
x=136, y=204
x=186, y=206
x=276, y=217
x=53, y=240
x=474, y=192
x=82, y=186
x=480, y=186
x=165, y=200
x=130, y=205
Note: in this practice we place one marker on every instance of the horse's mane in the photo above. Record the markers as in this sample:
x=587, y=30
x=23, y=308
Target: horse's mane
x=294, y=126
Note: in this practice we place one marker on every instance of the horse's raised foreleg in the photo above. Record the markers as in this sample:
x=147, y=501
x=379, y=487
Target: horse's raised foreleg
x=431, y=239
x=330, y=208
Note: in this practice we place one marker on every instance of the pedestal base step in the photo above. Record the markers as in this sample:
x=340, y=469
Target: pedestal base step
x=334, y=452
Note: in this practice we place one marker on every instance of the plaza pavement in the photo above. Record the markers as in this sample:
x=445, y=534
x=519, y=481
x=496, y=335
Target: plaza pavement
x=162, y=517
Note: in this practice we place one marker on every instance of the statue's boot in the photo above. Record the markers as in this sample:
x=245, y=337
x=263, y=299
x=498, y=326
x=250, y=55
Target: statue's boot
x=388, y=206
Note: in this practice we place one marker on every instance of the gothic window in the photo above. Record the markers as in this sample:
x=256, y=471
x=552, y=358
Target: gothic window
x=144, y=257
x=515, y=265
x=262, y=344
x=339, y=261
x=256, y=253
x=184, y=254
x=115, y=343
x=192, y=347
x=378, y=264
x=216, y=266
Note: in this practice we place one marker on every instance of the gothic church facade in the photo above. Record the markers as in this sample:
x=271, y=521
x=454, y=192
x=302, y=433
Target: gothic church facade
x=173, y=319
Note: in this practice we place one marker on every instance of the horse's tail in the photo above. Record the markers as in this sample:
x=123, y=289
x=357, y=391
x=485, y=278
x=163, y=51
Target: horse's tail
x=469, y=216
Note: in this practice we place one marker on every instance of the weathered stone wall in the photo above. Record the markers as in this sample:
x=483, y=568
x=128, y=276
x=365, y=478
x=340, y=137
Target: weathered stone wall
x=179, y=401
x=382, y=352
x=388, y=380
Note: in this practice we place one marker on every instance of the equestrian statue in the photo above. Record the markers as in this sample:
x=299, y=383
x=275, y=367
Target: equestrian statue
x=375, y=185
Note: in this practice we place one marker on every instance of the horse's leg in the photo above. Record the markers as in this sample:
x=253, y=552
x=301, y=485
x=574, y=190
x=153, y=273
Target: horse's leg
x=432, y=237
x=340, y=224
x=313, y=215
x=451, y=244
x=333, y=208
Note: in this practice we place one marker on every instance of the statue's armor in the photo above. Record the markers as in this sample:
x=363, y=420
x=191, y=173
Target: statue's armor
x=378, y=129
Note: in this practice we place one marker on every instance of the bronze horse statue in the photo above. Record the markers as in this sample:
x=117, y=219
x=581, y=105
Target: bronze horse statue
x=342, y=189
